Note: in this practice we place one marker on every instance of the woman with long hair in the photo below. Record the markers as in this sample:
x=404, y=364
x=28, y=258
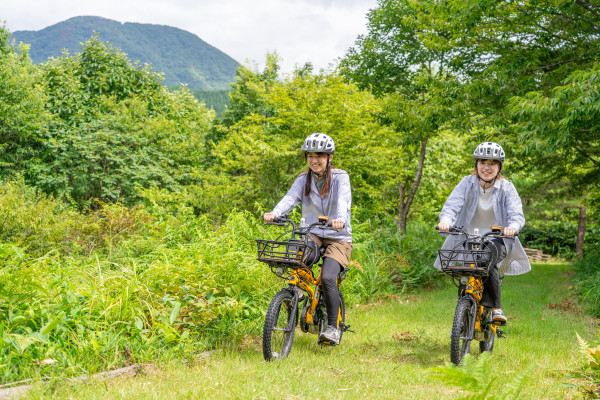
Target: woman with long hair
x=323, y=190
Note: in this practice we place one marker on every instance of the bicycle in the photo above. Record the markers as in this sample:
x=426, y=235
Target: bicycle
x=468, y=264
x=291, y=257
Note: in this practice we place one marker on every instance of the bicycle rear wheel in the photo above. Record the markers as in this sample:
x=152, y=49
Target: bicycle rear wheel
x=487, y=345
x=280, y=322
x=341, y=317
x=460, y=344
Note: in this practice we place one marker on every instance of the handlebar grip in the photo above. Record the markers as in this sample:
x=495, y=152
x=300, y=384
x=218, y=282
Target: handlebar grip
x=275, y=223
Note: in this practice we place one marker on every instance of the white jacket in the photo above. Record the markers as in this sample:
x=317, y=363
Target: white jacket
x=461, y=206
x=336, y=205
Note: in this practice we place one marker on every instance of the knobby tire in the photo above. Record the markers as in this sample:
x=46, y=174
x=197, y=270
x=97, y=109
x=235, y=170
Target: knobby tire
x=280, y=322
x=459, y=344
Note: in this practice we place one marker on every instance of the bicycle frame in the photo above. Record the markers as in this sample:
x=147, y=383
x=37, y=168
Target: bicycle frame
x=305, y=280
x=474, y=288
x=468, y=263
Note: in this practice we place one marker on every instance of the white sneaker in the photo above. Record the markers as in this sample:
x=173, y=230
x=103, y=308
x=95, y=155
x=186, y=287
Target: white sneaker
x=498, y=316
x=331, y=335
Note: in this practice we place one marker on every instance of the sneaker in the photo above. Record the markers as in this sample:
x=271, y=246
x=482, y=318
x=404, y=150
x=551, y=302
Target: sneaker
x=498, y=316
x=331, y=335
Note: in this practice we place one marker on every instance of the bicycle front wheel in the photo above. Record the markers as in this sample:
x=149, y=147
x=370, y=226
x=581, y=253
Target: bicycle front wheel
x=460, y=344
x=342, y=316
x=280, y=322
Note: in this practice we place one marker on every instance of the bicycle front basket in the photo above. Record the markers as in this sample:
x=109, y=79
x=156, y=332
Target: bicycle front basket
x=465, y=262
x=285, y=253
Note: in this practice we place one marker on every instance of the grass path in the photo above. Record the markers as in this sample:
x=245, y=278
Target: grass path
x=395, y=343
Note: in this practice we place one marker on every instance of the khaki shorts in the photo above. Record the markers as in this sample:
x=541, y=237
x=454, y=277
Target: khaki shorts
x=338, y=250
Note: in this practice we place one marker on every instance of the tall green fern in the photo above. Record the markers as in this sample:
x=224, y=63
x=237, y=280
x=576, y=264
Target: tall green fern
x=476, y=376
x=588, y=384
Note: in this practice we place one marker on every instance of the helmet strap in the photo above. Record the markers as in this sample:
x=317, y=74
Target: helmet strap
x=491, y=181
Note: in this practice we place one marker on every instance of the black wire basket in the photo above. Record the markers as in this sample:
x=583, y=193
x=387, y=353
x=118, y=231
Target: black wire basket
x=281, y=253
x=466, y=262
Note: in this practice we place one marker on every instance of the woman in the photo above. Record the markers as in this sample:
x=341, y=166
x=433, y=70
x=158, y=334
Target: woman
x=323, y=190
x=480, y=200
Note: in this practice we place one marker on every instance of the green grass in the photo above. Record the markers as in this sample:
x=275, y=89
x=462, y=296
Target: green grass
x=397, y=342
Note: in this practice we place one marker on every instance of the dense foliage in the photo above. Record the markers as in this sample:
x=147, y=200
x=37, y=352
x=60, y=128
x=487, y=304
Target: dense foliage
x=110, y=127
x=134, y=284
x=587, y=275
x=217, y=100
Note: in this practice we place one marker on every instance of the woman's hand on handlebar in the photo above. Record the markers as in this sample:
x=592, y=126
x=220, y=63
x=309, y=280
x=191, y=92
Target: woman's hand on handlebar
x=337, y=224
x=444, y=227
x=508, y=231
x=269, y=217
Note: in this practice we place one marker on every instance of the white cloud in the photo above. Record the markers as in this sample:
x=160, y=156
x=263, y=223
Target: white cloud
x=316, y=31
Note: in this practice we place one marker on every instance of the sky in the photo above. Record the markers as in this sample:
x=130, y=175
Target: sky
x=300, y=31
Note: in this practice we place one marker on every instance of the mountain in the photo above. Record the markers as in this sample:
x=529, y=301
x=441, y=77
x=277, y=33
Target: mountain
x=182, y=56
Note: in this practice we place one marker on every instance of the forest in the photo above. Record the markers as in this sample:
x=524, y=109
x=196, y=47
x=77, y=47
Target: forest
x=128, y=211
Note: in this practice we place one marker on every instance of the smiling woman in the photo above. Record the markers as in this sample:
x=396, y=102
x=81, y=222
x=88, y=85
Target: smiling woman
x=481, y=200
x=323, y=190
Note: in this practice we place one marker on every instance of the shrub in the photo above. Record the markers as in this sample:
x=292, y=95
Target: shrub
x=557, y=238
x=120, y=285
x=587, y=277
x=392, y=262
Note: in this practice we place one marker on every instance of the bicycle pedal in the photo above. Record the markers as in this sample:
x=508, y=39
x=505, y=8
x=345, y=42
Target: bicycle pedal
x=324, y=343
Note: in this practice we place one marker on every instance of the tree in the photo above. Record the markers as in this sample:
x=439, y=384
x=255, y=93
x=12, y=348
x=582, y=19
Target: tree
x=405, y=56
x=258, y=156
x=564, y=126
x=22, y=112
x=116, y=129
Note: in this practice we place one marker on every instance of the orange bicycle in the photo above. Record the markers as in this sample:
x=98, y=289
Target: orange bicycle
x=468, y=264
x=291, y=257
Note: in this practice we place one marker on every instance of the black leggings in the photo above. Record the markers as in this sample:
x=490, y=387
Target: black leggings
x=331, y=293
x=491, y=286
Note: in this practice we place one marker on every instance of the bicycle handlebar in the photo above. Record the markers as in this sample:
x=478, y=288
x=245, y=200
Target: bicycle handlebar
x=284, y=220
x=458, y=230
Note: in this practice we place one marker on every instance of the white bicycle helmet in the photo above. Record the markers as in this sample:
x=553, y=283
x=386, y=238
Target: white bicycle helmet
x=489, y=151
x=319, y=143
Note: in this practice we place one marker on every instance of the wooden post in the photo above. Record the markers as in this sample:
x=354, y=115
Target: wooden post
x=580, y=232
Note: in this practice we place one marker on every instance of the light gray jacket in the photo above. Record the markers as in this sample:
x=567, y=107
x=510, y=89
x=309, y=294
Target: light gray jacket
x=336, y=205
x=461, y=206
